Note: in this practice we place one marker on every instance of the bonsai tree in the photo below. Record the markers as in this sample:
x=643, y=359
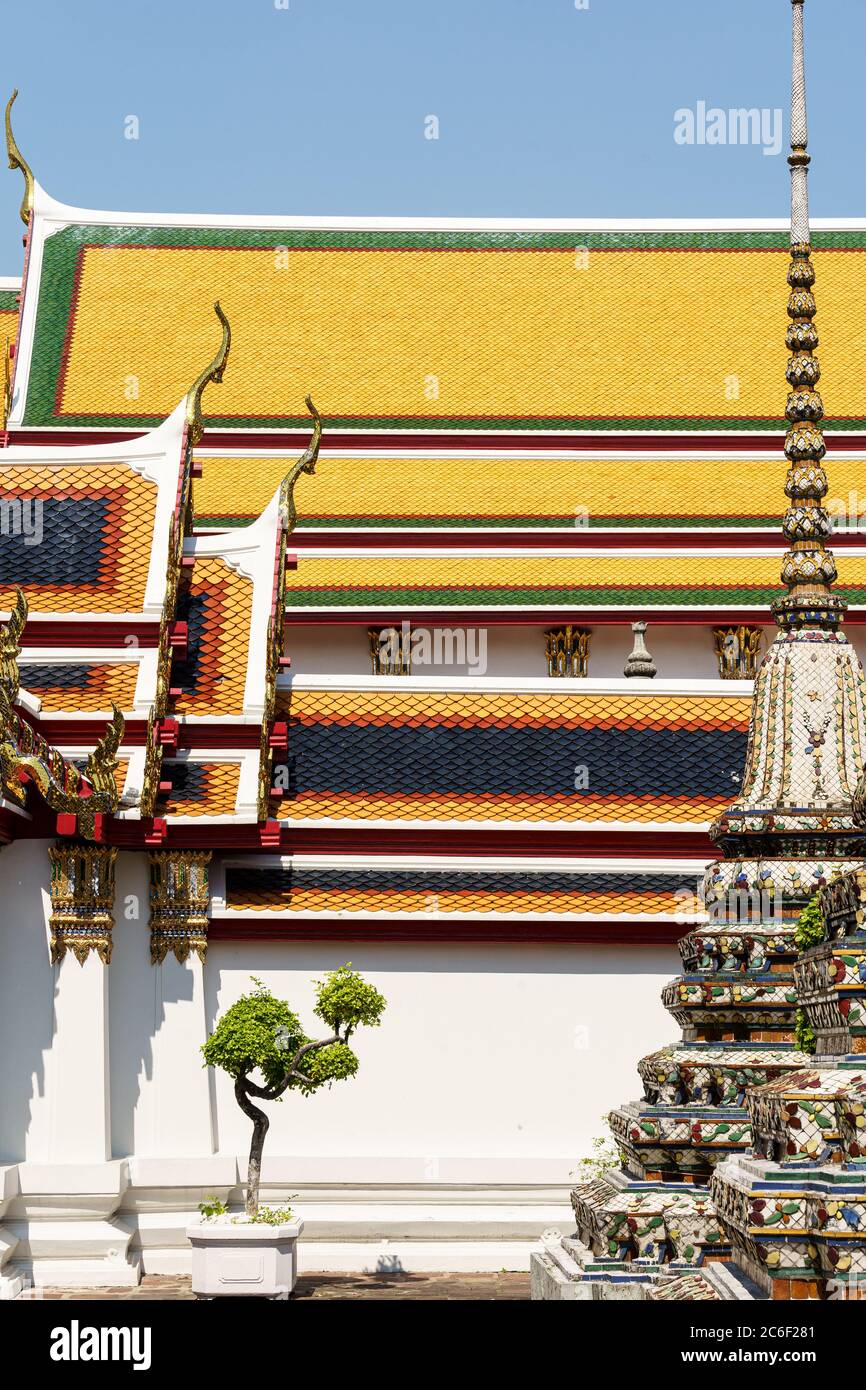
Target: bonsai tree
x=260, y=1036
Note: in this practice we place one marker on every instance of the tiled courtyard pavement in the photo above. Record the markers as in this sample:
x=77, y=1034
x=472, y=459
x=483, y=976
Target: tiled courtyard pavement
x=461, y=1287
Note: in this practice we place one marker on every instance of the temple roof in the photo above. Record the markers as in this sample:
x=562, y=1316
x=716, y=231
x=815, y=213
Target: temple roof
x=10, y=290
x=442, y=325
x=397, y=888
x=397, y=754
x=575, y=580
x=519, y=491
x=91, y=533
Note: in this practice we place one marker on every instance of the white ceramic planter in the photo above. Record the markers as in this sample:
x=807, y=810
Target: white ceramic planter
x=243, y=1260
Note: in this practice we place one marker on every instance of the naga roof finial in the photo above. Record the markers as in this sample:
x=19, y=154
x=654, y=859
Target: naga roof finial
x=212, y=372
x=808, y=568
x=10, y=638
x=305, y=464
x=17, y=161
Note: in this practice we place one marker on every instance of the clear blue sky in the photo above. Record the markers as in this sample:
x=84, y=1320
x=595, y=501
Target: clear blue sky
x=545, y=110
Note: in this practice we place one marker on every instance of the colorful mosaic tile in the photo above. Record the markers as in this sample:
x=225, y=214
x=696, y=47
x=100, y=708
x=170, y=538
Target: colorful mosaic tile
x=805, y=1223
x=655, y=1224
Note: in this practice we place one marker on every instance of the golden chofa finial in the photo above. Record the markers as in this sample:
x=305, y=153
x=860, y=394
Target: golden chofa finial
x=17, y=161
x=213, y=372
x=305, y=464
x=10, y=638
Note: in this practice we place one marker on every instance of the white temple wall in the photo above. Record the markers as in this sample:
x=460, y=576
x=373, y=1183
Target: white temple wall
x=678, y=649
x=498, y=1050
x=160, y=1094
x=27, y=996
x=492, y=1051
x=453, y=1148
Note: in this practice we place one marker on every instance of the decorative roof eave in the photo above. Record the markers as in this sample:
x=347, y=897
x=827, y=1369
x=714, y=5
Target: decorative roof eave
x=26, y=757
x=186, y=418
x=156, y=456
x=258, y=552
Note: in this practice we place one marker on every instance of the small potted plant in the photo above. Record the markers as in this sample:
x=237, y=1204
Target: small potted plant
x=259, y=1041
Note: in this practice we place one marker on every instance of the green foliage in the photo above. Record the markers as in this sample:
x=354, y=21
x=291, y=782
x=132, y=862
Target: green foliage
x=804, y=1033
x=344, y=999
x=261, y=1033
x=336, y=1062
x=809, y=932
x=604, y=1156
x=810, y=925
x=211, y=1207
x=273, y=1216
x=245, y=1038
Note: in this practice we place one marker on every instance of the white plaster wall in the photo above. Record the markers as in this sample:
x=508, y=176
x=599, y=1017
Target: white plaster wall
x=485, y=1051
x=133, y=1012
x=491, y=1051
x=679, y=650
x=27, y=984
x=160, y=1091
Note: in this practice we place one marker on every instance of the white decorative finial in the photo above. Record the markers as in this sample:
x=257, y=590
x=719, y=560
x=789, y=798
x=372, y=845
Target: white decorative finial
x=639, y=663
x=798, y=159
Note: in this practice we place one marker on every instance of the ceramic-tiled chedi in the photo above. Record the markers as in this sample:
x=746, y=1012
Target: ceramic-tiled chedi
x=791, y=829
x=796, y=1208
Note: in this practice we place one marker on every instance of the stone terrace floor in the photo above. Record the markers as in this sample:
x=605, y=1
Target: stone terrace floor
x=459, y=1287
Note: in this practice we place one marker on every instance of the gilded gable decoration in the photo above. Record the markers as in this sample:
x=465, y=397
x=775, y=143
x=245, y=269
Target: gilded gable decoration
x=181, y=526
x=276, y=623
x=567, y=651
x=391, y=650
x=737, y=651
x=25, y=756
x=82, y=901
x=214, y=371
x=179, y=899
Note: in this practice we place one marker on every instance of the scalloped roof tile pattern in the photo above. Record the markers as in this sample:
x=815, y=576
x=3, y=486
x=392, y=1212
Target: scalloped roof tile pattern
x=359, y=493
x=80, y=687
x=77, y=538
x=199, y=789
x=417, y=756
x=294, y=889
x=216, y=604
x=432, y=581
x=447, y=329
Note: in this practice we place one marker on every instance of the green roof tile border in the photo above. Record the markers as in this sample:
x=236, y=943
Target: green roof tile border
x=479, y=521
x=61, y=253
x=501, y=596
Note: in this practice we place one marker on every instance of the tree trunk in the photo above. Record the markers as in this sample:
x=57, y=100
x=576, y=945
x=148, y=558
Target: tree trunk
x=260, y=1129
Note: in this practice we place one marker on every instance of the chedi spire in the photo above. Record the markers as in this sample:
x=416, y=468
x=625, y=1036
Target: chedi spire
x=808, y=569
